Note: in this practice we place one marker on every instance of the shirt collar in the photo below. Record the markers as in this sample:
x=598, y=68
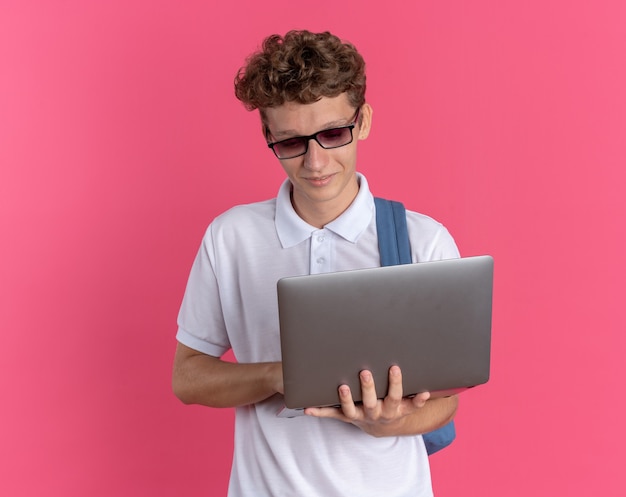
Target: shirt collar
x=292, y=229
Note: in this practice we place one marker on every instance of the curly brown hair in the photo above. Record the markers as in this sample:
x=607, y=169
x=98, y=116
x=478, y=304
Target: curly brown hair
x=301, y=67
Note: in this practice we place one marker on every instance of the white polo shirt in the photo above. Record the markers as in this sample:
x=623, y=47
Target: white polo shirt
x=230, y=302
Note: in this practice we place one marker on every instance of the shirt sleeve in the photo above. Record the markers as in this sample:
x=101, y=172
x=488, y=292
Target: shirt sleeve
x=200, y=319
x=430, y=240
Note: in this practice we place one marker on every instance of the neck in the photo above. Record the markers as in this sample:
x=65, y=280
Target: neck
x=320, y=213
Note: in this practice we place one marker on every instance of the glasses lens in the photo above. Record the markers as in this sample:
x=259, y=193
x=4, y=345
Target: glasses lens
x=336, y=137
x=290, y=148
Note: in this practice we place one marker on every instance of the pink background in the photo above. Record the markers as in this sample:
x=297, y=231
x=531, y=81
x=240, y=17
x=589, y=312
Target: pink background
x=120, y=139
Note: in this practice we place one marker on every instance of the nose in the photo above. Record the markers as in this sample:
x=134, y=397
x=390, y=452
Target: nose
x=316, y=157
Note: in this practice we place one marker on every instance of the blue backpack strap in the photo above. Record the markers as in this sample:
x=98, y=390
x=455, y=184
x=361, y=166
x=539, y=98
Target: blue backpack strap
x=393, y=236
x=440, y=438
x=395, y=248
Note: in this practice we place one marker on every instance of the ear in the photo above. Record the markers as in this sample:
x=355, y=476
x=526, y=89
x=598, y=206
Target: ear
x=366, y=121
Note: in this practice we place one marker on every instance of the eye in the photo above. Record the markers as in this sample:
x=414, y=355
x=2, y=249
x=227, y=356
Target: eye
x=333, y=134
x=290, y=143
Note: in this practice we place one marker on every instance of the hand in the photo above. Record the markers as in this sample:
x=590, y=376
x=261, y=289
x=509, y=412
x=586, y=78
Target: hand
x=374, y=416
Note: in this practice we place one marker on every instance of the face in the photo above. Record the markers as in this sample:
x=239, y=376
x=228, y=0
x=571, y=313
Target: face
x=324, y=181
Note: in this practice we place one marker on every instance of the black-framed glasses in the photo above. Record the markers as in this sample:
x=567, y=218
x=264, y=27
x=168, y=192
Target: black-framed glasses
x=327, y=138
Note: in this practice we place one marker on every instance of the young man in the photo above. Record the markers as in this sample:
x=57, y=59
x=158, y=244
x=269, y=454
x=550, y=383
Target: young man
x=310, y=92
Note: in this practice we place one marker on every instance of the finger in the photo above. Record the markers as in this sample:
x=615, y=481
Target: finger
x=325, y=412
x=395, y=384
x=393, y=399
x=347, y=411
x=368, y=391
x=420, y=399
x=348, y=407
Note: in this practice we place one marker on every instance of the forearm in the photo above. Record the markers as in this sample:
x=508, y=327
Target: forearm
x=201, y=379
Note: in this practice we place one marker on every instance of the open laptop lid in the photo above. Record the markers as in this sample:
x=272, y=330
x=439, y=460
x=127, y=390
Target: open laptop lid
x=433, y=319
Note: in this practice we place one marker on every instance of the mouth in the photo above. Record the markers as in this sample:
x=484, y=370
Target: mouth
x=320, y=180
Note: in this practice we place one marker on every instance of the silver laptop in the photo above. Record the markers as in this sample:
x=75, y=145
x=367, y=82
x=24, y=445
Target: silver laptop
x=432, y=319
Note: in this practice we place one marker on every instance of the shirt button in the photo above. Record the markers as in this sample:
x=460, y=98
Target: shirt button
x=320, y=260
x=320, y=239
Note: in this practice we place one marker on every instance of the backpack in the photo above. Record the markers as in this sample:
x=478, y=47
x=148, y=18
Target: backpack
x=394, y=247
